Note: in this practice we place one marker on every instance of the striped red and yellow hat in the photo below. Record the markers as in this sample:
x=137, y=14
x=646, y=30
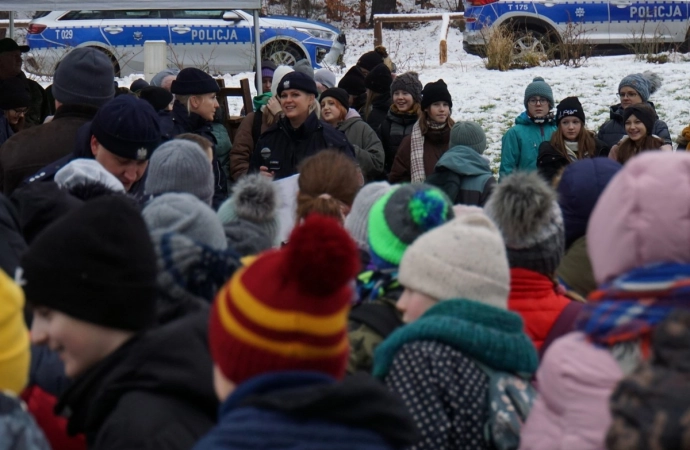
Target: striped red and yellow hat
x=287, y=310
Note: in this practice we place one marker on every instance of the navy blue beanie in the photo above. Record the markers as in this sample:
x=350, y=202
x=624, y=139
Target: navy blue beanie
x=299, y=81
x=128, y=127
x=192, y=81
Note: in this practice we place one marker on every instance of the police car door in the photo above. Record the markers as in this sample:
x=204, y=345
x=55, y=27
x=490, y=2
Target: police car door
x=632, y=20
x=213, y=40
x=126, y=32
x=586, y=20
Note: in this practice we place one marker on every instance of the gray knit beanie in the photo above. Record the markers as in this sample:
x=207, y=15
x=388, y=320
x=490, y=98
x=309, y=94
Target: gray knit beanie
x=357, y=221
x=539, y=88
x=254, y=199
x=157, y=79
x=185, y=214
x=644, y=84
x=246, y=238
x=464, y=258
x=408, y=82
x=84, y=76
x=468, y=134
x=524, y=208
x=180, y=166
x=304, y=67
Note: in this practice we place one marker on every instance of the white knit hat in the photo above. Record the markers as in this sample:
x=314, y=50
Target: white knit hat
x=357, y=221
x=278, y=75
x=461, y=259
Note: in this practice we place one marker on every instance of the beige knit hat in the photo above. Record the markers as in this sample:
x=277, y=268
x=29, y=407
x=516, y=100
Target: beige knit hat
x=462, y=259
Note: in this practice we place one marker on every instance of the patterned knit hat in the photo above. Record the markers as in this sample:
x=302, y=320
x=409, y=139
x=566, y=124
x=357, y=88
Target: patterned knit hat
x=288, y=309
x=570, y=106
x=539, y=88
x=357, y=221
x=401, y=216
x=408, y=82
x=644, y=84
x=524, y=208
x=462, y=259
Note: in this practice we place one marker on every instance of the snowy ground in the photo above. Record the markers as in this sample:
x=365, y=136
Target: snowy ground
x=495, y=98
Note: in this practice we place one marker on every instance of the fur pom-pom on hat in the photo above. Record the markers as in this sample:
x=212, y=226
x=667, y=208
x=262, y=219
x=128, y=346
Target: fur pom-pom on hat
x=524, y=208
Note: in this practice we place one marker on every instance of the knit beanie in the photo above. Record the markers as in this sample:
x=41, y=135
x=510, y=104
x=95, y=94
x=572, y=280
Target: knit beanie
x=304, y=66
x=436, y=92
x=357, y=221
x=86, y=170
x=278, y=75
x=14, y=337
x=401, y=216
x=185, y=214
x=371, y=59
x=338, y=94
x=96, y=264
x=10, y=45
x=379, y=79
x=539, y=88
x=128, y=127
x=138, y=85
x=353, y=82
x=644, y=114
x=644, y=84
x=468, y=134
x=570, y=106
x=299, y=81
x=84, y=76
x=158, y=78
x=524, y=208
x=268, y=67
x=158, y=97
x=14, y=94
x=288, y=309
x=325, y=77
x=408, y=82
x=180, y=166
x=193, y=81
x=246, y=238
x=464, y=258
x=254, y=199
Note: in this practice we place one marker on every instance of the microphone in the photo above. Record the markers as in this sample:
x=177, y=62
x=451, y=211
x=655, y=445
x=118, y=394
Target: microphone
x=266, y=155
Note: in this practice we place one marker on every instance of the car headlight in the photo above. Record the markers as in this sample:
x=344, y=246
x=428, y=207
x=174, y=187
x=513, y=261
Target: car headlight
x=321, y=34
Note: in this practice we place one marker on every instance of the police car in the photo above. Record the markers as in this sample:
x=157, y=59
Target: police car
x=600, y=23
x=216, y=40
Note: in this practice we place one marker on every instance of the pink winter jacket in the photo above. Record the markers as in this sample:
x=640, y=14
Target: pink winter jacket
x=575, y=382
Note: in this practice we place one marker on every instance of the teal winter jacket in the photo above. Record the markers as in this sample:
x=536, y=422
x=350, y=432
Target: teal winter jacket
x=520, y=144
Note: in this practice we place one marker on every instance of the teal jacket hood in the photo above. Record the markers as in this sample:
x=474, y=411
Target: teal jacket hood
x=464, y=161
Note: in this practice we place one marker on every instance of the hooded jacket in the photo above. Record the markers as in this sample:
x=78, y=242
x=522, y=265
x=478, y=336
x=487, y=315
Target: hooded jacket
x=311, y=411
x=613, y=129
x=289, y=146
x=464, y=175
x=368, y=147
x=155, y=391
x=520, y=144
x=392, y=131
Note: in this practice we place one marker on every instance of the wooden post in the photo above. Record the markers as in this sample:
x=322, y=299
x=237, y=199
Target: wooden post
x=443, y=40
x=378, y=32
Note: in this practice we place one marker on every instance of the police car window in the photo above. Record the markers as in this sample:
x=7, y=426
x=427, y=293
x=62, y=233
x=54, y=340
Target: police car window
x=197, y=14
x=137, y=14
x=87, y=14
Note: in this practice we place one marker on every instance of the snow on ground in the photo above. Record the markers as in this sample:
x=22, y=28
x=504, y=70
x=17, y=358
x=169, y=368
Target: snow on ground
x=494, y=98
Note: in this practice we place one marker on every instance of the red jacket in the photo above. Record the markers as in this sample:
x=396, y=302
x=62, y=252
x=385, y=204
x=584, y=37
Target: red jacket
x=536, y=298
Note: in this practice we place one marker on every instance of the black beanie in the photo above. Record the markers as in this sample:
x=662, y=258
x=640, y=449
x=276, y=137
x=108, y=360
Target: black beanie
x=436, y=92
x=297, y=80
x=14, y=93
x=128, y=127
x=644, y=113
x=192, y=81
x=340, y=95
x=570, y=106
x=379, y=79
x=138, y=85
x=353, y=82
x=96, y=264
x=371, y=59
x=158, y=97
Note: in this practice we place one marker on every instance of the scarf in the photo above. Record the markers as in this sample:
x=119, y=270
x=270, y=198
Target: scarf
x=418, y=174
x=630, y=307
x=571, y=149
x=374, y=284
x=487, y=334
x=261, y=100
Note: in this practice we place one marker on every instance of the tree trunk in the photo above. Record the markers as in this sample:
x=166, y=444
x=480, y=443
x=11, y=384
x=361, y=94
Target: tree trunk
x=3, y=31
x=382, y=7
x=362, y=13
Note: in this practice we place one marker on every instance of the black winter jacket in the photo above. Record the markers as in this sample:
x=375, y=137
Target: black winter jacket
x=392, y=131
x=379, y=110
x=613, y=129
x=289, y=146
x=155, y=391
x=550, y=161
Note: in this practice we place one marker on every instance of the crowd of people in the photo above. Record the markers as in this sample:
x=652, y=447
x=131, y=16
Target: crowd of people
x=150, y=296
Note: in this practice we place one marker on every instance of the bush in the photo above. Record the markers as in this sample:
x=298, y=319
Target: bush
x=572, y=48
x=499, y=49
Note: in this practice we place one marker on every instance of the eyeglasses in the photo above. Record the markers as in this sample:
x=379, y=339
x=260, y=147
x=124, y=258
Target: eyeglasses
x=537, y=100
x=21, y=110
x=628, y=94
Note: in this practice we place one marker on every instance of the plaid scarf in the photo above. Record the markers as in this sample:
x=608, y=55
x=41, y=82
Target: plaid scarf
x=417, y=155
x=629, y=307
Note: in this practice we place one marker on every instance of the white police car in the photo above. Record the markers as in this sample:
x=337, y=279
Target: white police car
x=601, y=23
x=219, y=41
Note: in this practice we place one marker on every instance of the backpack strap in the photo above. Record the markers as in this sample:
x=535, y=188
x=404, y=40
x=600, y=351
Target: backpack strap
x=256, y=125
x=380, y=317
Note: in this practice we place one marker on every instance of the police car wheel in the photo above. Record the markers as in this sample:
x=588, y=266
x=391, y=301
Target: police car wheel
x=282, y=53
x=528, y=41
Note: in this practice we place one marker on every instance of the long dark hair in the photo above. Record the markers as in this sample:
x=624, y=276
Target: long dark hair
x=629, y=148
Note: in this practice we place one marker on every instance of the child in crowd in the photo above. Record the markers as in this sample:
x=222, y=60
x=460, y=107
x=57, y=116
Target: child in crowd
x=639, y=120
